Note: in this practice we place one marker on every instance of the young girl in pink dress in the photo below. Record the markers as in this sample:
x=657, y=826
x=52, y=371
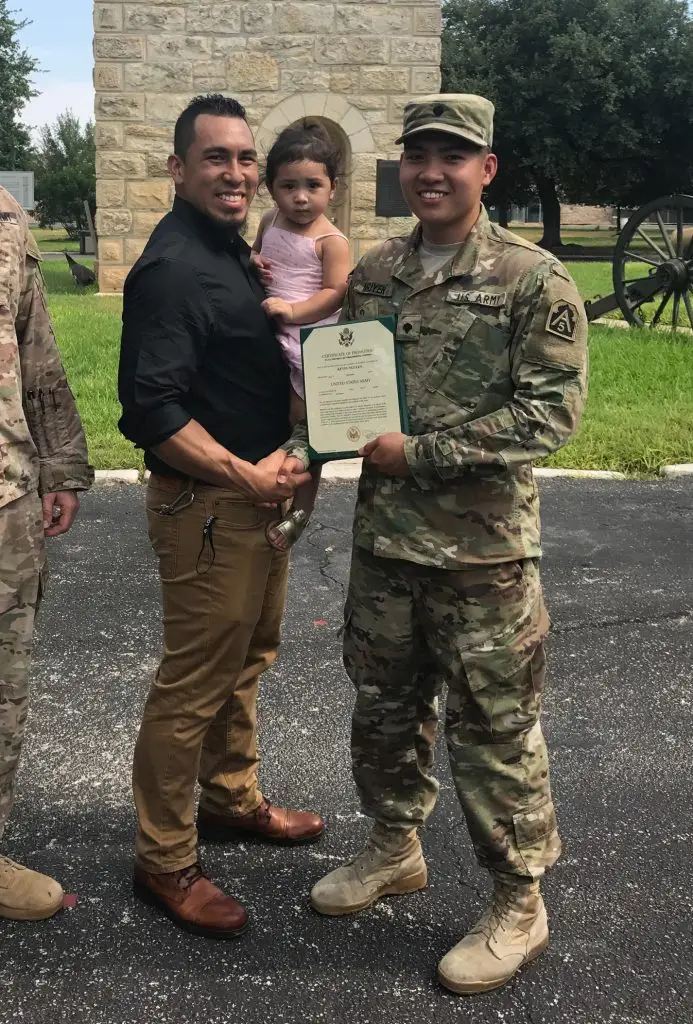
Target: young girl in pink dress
x=303, y=262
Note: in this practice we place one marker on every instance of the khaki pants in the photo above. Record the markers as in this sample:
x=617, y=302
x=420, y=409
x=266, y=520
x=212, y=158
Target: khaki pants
x=223, y=589
x=21, y=563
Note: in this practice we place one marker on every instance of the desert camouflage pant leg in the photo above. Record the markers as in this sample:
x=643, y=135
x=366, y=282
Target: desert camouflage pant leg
x=409, y=630
x=21, y=561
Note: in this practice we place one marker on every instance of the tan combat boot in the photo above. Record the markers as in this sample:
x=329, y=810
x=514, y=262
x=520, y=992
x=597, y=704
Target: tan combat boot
x=391, y=864
x=26, y=895
x=510, y=933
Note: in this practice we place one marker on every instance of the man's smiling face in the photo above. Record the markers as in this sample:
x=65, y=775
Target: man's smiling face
x=219, y=173
x=442, y=178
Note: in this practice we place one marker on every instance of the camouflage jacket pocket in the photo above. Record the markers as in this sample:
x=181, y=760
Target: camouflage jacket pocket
x=473, y=352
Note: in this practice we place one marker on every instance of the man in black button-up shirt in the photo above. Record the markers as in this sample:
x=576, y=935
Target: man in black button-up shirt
x=205, y=392
x=197, y=346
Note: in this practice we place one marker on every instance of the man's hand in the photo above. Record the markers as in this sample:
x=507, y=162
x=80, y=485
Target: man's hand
x=279, y=309
x=262, y=268
x=386, y=454
x=59, y=511
x=276, y=477
x=291, y=468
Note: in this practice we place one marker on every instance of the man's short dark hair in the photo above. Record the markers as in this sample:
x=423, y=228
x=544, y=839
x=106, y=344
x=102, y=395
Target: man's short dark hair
x=213, y=103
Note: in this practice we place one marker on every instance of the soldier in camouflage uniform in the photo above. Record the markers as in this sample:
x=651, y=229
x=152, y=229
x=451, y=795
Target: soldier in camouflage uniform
x=43, y=463
x=444, y=584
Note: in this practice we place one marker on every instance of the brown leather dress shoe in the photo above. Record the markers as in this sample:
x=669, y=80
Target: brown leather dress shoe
x=273, y=824
x=192, y=901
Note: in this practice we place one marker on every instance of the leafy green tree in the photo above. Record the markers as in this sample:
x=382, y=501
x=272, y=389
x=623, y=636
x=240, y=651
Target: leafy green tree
x=65, y=169
x=16, y=69
x=594, y=98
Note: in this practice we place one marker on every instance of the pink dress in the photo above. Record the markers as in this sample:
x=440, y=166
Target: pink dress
x=296, y=275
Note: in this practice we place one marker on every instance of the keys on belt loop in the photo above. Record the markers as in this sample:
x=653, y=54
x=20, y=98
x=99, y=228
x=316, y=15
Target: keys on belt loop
x=181, y=501
x=207, y=539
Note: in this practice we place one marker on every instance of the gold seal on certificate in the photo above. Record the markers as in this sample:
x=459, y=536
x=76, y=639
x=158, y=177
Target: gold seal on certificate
x=354, y=385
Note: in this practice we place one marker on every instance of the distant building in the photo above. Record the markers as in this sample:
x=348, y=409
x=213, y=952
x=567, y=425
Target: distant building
x=20, y=184
x=572, y=216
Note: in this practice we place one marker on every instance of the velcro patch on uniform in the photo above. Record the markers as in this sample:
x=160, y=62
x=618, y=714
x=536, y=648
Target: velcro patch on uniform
x=478, y=298
x=563, y=320
x=409, y=327
x=374, y=288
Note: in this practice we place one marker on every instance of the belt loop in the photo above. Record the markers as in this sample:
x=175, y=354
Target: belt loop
x=182, y=500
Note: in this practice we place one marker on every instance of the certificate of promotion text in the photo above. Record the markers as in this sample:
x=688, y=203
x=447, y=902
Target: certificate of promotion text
x=354, y=385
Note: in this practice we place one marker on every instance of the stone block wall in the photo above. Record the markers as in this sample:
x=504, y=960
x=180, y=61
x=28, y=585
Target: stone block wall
x=352, y=64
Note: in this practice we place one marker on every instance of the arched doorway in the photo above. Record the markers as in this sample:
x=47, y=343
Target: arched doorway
x=354, y=204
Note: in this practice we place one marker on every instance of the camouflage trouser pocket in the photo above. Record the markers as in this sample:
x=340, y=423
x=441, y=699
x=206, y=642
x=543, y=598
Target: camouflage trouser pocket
x=536, y=836
x=42, y=584
x=491, y=664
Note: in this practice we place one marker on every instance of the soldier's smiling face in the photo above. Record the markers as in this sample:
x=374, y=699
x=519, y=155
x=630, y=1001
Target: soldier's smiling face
x=442, y=179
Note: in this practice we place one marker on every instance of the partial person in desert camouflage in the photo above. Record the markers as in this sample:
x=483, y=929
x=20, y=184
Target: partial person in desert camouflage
x=444, y=583
x=43, y=464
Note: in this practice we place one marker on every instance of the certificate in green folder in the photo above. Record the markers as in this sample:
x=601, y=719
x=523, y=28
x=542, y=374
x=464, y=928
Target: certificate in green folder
x=354, y=383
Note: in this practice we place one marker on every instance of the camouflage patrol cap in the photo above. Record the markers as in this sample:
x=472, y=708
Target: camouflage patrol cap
x=455, y=113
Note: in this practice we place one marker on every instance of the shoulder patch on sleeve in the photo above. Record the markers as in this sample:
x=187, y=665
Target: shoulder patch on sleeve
x=559, y=270
x=562, y=320
x=32, y=248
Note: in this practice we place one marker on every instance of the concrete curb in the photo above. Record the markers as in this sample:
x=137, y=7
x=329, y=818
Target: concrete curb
x=586, y=474
x=117, y=476
x=350, y=469
x=345, y=470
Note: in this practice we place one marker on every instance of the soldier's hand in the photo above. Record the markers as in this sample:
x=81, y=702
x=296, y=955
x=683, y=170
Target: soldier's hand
x=276, y=477
x=291, y=467
x=386, y=454
x=59, y=511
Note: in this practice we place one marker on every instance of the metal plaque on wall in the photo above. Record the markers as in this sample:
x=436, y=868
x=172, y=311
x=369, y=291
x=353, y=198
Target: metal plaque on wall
x=389, y=201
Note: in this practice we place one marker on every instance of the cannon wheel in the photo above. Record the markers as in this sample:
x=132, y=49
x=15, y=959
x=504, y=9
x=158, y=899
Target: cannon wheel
x=663, y=248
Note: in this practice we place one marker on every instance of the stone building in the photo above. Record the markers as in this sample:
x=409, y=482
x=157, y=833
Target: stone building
x=351, y=64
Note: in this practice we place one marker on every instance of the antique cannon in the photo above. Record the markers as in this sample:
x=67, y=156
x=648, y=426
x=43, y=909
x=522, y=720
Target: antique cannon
x=653, y=267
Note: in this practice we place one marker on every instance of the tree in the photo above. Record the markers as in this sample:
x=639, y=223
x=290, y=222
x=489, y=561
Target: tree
x=16, y=69
x=65, y=168
x=594, y=98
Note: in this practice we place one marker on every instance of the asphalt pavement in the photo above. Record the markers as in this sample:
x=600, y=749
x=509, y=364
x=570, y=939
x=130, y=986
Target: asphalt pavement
x=618, y=572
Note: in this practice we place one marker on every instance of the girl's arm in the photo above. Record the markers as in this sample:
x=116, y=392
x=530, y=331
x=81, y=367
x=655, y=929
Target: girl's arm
x=335, y=270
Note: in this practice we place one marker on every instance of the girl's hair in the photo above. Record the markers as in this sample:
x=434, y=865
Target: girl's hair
x=307, y=140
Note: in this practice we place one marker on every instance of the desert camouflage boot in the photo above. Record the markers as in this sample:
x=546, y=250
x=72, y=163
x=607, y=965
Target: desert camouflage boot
x=391, y=864
x=26, y=895
x=510, y=933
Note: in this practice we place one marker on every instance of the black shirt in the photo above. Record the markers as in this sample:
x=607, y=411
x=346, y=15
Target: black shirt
x=196, y=343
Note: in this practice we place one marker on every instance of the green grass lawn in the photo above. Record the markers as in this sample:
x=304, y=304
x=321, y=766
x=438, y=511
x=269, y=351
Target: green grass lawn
x=54, y=240
x=639, y=415
x=88, y=332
